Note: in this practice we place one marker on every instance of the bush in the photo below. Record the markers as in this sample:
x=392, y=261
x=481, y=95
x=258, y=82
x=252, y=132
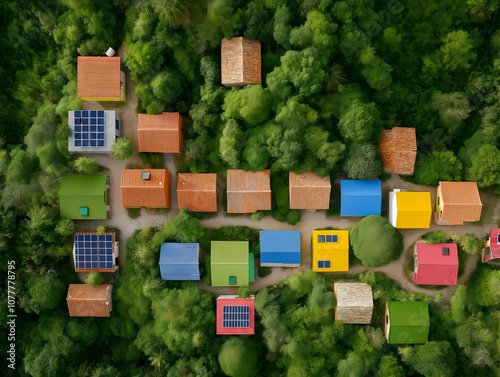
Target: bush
x=206, y=278
x=470, y=243
x=436, y=237
x=244, y=291
x=264, y=271
x=375, y=242
x=238, y=357
x=122, y=148
x=134, y=213
x=94, y=278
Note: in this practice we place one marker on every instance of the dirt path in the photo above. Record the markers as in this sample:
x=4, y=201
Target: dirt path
x=310, y=219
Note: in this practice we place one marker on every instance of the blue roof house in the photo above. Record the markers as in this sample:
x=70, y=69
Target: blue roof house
x=360, y=198
x=280, y=248
x=179, y=261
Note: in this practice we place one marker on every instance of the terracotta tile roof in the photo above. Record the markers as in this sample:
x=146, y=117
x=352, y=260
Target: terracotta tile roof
x=152, y=193
x=99, y=77
x=398, y=148
x=240, y=61
x=160, y=133
x=86, y=301
x=309, y=191
x=197, y=192
x=461, y=202
x=248, y=191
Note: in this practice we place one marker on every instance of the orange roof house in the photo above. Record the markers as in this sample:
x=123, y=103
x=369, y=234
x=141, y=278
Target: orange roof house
x=197, y=192
x=160, y=133
x=398, y=148
x=457, y=202
x=87, y=301
x=248, y=191
x=100, y=78
x=240, y=61
x=145, y=188
x=309, y=191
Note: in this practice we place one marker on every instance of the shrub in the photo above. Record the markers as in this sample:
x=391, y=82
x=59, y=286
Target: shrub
x=244, y=291
x=436, y=237
x=94, y=278
x=264, y=271
x=238, y=357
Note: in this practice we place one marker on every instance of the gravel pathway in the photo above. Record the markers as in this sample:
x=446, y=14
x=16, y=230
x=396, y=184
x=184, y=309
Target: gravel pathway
x=310, y=219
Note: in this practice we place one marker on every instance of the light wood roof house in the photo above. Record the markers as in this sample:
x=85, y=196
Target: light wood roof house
x=240, y=61
x=354, y=303
x=398, y=147
x=309, y=191
x=160, y=133
x=86, y=301
x=197, y=192
x=247, y=191
x=457, y=202
x=100, y=78
x=145, y=188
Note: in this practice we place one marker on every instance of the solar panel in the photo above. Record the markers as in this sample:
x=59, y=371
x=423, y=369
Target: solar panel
x=323, y=264
x=331, y=238
x=236, y=316
x=498, y=238
x=89, y=128
x=93, y=251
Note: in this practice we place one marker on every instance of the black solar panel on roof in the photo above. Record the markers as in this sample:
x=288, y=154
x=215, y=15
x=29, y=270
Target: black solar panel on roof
x=93, y=251
x=236, y=316
x=89, y=128
x=446, y=250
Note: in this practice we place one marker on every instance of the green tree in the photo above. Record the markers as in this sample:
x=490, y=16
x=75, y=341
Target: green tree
x=360, y=122
x=378, y=74
x=251, y=104
x=230, y=144
x=172, y=13
x=86, y=165
x=94, y=278
x=434, y=359
x=458, y=51
x=282, y=27
x=122, y=148
x=65, y=227
x=453, y=108
x=239, y=357
x=183, y=228
x=375, y=241
x=363, y=162
x=244, y=291
x=82, y=331
x=485, y=168
x=438, y=166
x=389, y=367
x=44, y=293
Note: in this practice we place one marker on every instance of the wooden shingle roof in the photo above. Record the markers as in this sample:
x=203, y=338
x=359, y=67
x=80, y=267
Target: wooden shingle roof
x=309, y=191
x=461, y=202
x=160, y=133
x=197, y=192
x=248, y=191
x=240, y=61
x=98, y=77
x=398, y=148
x=86, y=301
x=354, y=302
x=152, y=193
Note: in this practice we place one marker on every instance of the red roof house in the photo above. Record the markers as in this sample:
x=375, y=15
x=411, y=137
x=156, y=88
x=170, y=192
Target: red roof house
x=491, y=251
x=398, y=148
x=240, y=61
x=235, y=316
x=160, y=133
x=435, y=264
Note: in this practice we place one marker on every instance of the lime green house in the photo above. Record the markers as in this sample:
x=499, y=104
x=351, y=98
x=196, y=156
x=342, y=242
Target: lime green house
x=406, y=322
x=231, y=264
x=84, y=197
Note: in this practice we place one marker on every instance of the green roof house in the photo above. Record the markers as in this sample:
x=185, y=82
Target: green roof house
x=230, y=263
x=406, y=322
x=83, y=197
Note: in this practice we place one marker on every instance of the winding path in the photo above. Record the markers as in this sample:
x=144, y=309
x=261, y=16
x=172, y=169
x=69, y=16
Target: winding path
x=310, y=219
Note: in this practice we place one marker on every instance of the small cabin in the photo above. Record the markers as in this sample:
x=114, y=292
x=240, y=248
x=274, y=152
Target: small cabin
x=148, y=188
x=86, y=301
x=406, y=322
x=354, y=303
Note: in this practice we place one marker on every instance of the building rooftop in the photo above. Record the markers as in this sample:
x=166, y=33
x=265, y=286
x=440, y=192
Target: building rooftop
x=309, y=191
x=240, y=61
x=197, y=192
x=235, y=316
x=94, y=252
x=179, y=261
x=279, y=247
x=99, y=77
x=92, y=131
x=86, y=301
x=160, y=133
x=398, y=147
x=461, y=202
x=437, y=264
x=80, y=194
x=140, y=189
x=360, y=197
x=354, y=302
x=229, y=259
x=248, y=191
x=409, y=322
x=410, y=210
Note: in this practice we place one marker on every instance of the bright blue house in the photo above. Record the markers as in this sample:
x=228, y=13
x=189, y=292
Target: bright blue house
x=360, y=198
x=179, y=261
x=280, y=248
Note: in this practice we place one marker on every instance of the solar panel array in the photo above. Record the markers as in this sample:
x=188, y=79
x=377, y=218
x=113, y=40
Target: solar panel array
x=89, y=128
x=331, y=238
x=93, y=251
x=236, y=316
x=323, y=264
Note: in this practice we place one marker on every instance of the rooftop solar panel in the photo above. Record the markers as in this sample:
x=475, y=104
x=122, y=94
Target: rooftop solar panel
x=236, y=316
x=93, y=251
x=89, y=128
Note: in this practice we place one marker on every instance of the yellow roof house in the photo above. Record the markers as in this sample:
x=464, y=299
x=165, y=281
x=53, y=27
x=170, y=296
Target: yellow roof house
x=330, y=250
x=410, y=210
